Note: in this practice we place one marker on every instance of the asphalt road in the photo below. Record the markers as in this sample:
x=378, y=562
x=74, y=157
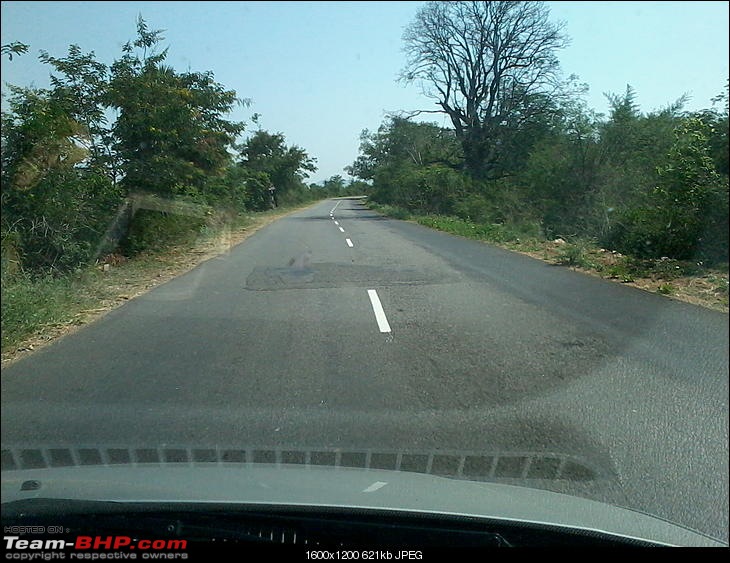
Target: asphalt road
x=336, y=328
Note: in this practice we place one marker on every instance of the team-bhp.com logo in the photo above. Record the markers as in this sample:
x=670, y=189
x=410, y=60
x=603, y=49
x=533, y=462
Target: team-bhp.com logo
x=94, y=547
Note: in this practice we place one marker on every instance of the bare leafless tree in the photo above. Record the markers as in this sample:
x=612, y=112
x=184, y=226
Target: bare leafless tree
x=491, y=66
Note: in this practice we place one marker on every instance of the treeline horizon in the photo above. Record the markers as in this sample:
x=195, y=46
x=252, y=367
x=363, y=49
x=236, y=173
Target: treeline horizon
x=651, y=185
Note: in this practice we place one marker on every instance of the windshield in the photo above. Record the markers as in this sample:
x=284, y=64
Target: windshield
x=486, y=241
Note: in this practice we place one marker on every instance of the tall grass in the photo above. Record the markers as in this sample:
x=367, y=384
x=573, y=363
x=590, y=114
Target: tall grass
x=31, y=304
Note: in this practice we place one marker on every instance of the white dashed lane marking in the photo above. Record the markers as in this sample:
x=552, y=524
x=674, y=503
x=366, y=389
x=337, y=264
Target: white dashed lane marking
x=378, y=310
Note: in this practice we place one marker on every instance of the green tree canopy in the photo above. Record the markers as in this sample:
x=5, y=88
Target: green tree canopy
x=287, y=167
x=80, y=87
x=171, y=133
x=402, y=142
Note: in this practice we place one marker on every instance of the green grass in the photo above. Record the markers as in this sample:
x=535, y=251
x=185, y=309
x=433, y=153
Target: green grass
x=517, y=237
x=575, y=254
x=617, y=272
x=390, y=210
x=628, y=268
x=666, y=289
x=30, y=305
x=721, y=284
x=469, y=229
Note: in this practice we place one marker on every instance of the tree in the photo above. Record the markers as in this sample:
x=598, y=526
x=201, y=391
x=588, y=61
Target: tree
x=171, y=132
x=14, y=48
x=400, y=142
x=491, y=66
x=619, y=136
x=241, y=189
x=686, y=216
x=80, y=89
x=54, y=211
x=334, y=185
x=717, y=119
x=286, y=167
x=37, y=136
x=411, y=164
x=693, y=197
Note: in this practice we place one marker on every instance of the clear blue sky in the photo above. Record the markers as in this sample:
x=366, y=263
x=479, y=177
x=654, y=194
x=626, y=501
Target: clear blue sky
x=321, y=72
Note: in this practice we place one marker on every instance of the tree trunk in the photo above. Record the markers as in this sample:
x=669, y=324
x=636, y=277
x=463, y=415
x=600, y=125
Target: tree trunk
x=479, y=155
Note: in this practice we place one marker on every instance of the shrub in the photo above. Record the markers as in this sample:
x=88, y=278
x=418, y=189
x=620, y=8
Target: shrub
x=474, y=207
x=29, y=304
x=574, y=254
x=155, y=230
x=60, y=222
x=687, y=214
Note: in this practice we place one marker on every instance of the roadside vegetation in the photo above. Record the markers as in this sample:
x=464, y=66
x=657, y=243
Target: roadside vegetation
x=637, y=197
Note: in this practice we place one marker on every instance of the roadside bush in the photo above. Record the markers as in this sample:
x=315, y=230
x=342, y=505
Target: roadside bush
x=687, y=214
x=638, y=232
x=30, y=303
x=675, y=232
x=298, y=196
x=493, y=232
x=574, y=254
x=390, y=210
x=155, y=230
x=429, y=189
x=474, y=207
x=239, y=189
x=60, y=222
x=10, y=262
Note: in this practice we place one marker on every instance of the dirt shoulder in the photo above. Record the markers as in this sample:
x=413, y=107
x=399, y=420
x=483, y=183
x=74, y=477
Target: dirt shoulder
x=707, y=288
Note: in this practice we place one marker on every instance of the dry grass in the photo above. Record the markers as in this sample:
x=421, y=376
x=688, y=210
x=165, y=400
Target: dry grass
x=707, y=288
